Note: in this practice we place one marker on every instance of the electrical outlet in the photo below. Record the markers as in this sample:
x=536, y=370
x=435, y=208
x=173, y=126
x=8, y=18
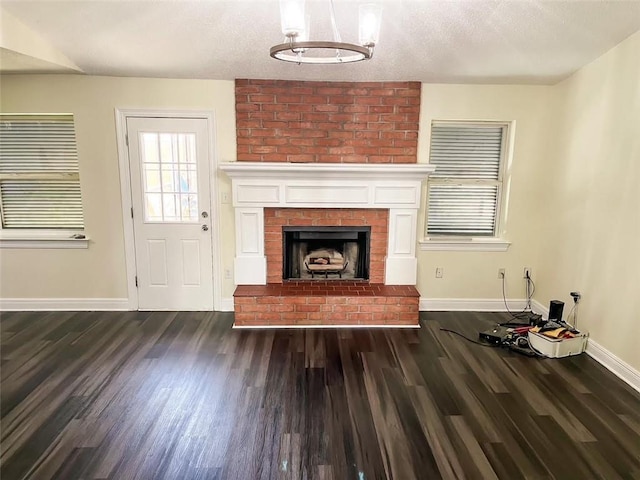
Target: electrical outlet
x=439, y=272
x=501, y=273
x=227, y=274
x=527, y=272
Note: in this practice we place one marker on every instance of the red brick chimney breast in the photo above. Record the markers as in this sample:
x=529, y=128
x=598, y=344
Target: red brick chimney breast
x=327, y=122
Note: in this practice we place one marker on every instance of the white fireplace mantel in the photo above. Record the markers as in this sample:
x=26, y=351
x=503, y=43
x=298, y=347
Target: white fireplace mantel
x=371, y=171
x=326, y=185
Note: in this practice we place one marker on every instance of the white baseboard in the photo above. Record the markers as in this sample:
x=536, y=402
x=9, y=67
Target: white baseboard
x=79, y=304
x=226, y=305
x=64, y=304
x=470, y=305
x=307, y=327
x=615, y=365
x=537, y=307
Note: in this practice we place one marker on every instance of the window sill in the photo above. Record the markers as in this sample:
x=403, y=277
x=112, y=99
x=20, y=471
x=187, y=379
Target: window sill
x=42, y=239
x=464, y=244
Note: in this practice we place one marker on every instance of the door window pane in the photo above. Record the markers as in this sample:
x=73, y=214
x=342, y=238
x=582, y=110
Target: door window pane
x=151, y=178
x=168, y=183
x=153, y=207
x=170, y=177
x=169, y=207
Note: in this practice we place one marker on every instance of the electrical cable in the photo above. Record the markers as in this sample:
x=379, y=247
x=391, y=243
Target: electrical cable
x=527, y=307
x=530, y=283
x=573, y=324
x=469, y=339
x=531, y=347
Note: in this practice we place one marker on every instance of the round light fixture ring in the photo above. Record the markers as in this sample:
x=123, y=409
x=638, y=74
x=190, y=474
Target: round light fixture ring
x=301, y=52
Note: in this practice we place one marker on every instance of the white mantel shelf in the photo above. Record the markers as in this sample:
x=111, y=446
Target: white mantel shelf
x=256, y=186
x=360, y=171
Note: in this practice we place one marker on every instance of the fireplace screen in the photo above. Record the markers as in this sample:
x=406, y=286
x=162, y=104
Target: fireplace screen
x=326, y=253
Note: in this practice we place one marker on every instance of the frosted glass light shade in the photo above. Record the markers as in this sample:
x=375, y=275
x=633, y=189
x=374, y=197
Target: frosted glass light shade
x=369, y=21
x=292, y=17
x=305, y=34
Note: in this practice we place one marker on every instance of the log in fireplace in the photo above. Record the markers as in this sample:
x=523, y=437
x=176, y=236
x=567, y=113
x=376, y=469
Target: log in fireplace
x=327, y=253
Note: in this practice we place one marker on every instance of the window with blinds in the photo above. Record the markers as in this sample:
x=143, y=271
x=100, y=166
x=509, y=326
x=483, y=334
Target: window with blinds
x=39, y=176
x=464, y=191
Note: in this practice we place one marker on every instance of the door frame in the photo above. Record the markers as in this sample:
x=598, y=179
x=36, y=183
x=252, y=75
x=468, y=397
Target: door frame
x=121, y=115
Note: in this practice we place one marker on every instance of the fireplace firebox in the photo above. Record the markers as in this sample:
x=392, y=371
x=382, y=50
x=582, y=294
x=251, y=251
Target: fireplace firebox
x=326, y=253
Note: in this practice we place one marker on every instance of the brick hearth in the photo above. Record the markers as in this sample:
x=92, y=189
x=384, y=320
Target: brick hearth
x=325, y=303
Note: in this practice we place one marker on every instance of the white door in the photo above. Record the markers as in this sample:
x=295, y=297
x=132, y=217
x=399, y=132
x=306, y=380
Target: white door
x=169, y=165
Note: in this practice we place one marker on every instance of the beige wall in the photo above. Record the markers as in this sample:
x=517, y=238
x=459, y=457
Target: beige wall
x=99, y=271
x=589, y=229
x=475, y=274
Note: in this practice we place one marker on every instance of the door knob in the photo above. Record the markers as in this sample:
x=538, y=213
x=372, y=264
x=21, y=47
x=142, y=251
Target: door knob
x=204, y=214
x=205, y=228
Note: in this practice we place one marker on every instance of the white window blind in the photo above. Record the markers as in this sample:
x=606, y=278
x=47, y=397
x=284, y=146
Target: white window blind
x=464, y=191
x=39, y=176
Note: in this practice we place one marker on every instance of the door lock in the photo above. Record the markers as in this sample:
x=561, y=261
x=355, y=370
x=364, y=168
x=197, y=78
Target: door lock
x=204, y=214
x=205, y=228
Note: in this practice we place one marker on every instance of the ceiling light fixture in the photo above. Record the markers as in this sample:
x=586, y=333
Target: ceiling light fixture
x=298, y=49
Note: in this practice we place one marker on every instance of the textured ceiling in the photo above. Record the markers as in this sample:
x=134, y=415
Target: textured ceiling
x=432, y=41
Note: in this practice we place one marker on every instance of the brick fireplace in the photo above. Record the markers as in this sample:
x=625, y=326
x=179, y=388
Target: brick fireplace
x=323, y=154
x=268, y=197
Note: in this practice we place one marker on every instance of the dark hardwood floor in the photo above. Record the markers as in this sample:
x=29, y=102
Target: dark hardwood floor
x=135, y=395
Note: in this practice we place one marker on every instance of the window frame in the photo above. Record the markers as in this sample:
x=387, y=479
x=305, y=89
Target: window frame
x=496, y=242
x=63, y=238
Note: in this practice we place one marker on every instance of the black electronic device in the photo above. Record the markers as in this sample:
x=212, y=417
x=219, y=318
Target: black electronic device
x=496, y=335
x=555, y=310
x=535, y=319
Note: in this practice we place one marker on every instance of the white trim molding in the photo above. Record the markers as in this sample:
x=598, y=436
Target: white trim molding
x=463, y=244
x=250, y=265
x=307, y=327
x=326, y=185
x=20, y=238
x=539, y=308
x=401, y=264
x=614, y=364
x=63, y=304
x=226, y=305
x=336, y=171
x=470, y=305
